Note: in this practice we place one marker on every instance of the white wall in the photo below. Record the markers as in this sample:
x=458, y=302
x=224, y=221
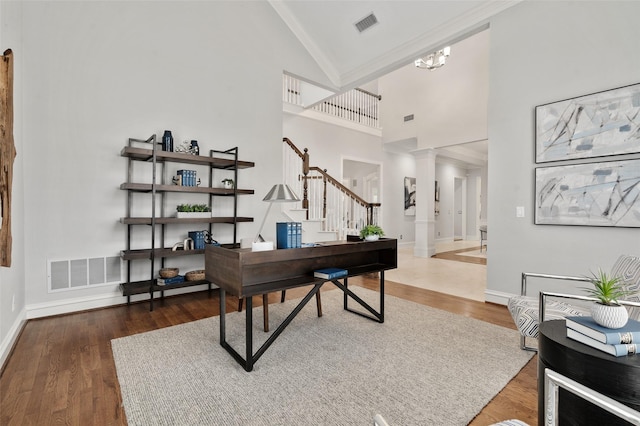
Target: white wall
x=543, y=52
x=329, y=144
x=449, y=104
x=96, y=73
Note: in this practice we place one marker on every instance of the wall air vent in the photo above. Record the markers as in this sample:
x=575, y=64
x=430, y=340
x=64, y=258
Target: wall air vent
x=408, y=117
x=366, y=22
x=75, y=274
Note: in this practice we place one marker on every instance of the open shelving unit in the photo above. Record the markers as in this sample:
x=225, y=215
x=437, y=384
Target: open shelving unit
x=158, y=218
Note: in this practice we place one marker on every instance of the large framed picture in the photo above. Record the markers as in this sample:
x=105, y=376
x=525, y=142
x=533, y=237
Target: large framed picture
x=596, y=125
x=409, y=196
x=592, y=194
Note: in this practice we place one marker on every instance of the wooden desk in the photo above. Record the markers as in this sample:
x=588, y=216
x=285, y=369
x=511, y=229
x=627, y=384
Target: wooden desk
x=616, y=377
x=244, y=273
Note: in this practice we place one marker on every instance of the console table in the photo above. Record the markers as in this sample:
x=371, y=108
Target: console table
x=245, y=273
x=616, y=377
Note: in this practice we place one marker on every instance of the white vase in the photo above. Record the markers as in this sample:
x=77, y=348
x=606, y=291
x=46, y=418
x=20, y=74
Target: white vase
x=372, y=237
x=610, y=316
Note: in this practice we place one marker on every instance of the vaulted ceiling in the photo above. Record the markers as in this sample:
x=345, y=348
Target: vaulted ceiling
x=403, y=30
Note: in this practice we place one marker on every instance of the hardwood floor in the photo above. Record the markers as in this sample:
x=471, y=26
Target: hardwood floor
x=62, y=371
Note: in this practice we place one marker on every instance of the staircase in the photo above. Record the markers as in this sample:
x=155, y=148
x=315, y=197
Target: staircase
x=328, y=210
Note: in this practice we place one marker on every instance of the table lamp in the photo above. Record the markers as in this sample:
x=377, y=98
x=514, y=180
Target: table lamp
x=280, y=193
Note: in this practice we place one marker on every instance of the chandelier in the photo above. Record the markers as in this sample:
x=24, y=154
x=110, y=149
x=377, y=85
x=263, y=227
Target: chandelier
x=434, y=60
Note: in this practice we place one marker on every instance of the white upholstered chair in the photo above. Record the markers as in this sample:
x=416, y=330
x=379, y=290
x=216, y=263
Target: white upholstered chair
x=529, y=310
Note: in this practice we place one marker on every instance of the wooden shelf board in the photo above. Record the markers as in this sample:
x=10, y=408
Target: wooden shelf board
x=143, y=154
x=175, y=220
x=141, y=287
x=147, y=187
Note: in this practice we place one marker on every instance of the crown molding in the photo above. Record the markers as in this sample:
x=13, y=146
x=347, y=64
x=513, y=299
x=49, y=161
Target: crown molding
x=298, y=30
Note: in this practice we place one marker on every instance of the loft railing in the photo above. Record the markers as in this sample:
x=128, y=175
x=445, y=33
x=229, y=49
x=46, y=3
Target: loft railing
x=323, y=197
x=357, y=105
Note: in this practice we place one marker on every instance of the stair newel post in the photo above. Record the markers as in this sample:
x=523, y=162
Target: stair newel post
x=305, y=181
x=324, y=194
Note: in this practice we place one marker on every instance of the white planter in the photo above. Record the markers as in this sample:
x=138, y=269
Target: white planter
x=610, y=316
x=192, y=215
x=372, y=237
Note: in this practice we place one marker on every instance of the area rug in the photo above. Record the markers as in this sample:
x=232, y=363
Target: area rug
x=473, y=253
x=421, y=366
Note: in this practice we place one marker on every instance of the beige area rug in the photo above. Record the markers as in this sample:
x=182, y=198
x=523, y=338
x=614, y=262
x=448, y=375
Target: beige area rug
x=460, y=279
x=422, y=366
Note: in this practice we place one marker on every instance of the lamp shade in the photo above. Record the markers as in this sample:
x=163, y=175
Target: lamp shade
x=281, y=193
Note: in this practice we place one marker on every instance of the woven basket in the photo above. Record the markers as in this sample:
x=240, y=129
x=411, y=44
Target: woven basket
x=194, y=275
x=168, y=272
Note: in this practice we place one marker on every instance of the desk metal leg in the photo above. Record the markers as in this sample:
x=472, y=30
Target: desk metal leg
x=250, y=358
x=375, y=315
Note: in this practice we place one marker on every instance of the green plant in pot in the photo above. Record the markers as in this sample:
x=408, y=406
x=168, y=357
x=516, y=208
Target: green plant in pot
x=608, y=290
x=193, y=210
x=371, y=233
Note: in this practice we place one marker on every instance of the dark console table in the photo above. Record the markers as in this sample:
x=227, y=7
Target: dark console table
x=615, y=377
x=245, y=273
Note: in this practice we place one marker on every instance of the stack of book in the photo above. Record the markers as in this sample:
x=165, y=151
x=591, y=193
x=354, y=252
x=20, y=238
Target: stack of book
x=330, y=273
x=288, y=235
x=187, y=178
x=173, y=280
x=617, y=342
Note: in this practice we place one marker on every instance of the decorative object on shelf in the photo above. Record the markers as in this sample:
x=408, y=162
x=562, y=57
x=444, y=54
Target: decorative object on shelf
x=187, y=178
x=280, y=193
x=371, y=233
x=434, y=60
x=167, y=141
x=193, y=211
x=196, y=275
x=227, y=183
x=195, y=149
x=168, y=272
x=608, y=290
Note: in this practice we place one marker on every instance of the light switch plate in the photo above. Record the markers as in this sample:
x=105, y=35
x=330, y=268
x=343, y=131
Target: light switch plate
x=520, y=211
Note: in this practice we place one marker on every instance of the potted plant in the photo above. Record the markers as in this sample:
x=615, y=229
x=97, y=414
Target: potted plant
x=227, y=183
x=371, y=233
x=608, y=290
x=193, y=211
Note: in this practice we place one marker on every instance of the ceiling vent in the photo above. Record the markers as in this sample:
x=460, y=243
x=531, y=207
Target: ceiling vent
x=366, y=22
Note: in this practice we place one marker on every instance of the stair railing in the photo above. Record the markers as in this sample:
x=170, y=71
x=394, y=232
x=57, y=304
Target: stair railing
x=323, y=197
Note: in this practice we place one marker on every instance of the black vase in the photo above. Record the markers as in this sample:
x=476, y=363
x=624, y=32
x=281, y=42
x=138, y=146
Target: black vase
x=167, y=141
x=195, y=149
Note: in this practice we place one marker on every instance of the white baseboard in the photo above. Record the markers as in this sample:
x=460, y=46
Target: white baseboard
x=498, y=297
x=11, y=337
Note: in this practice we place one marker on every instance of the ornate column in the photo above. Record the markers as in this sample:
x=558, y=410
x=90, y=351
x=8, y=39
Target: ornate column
x=425, y=244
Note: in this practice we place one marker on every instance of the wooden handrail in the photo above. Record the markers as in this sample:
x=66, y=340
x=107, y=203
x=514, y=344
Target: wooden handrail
x=318, y=173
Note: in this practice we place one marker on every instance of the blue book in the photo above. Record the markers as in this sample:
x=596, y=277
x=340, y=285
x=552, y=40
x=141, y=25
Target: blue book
x=630, y=333
x=615, y=350
x=330, y=273
x=173, y=280
x=283, y=237
x=298, y=234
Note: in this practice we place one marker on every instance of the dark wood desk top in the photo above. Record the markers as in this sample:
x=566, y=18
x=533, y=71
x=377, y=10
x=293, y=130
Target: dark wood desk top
x=242, y=272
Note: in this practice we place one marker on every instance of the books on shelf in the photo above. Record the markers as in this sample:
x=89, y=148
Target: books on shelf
x=615, y=350
x=330, y=273
x=288, y=235
x=173, y=280
x=617, y=342
x=630, y=333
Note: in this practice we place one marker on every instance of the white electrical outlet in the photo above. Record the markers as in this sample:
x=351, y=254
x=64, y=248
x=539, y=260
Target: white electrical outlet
x=520, y=211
